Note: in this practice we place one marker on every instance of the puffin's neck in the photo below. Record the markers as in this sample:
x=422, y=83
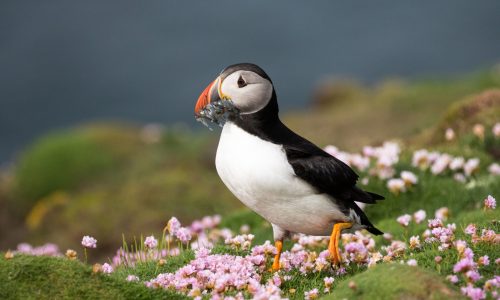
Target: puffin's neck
x=259, y=123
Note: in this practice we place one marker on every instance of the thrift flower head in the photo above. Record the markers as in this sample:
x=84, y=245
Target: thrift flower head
x=434, y=223
x=478, y=130
x=470, y=229
x=312, y=294
x=419, y=216
x=151, y=242
x=490, y=202
x=415, y=242
x=452, y=278
x=71, y=254
x=421, y=159
x=440, y=164
x=107, y=268
x=89, y=242
x=328, y=283
x=460, y=177
x=409, y=178
x=183, y=234
x=132, y=278
x=484, y=260
x=457, y=163
x=404, y=220
x=442, y=213
x=464, y=265
x=412, y=262
x=449, y=134
x=494, y=169
x=473, y=293
x=173, y=225
x=471, y=166
x=396, y=186
x=496, y=129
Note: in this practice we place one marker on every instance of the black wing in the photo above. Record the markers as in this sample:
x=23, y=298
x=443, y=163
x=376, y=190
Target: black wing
x=318, y=168
x=325, y=172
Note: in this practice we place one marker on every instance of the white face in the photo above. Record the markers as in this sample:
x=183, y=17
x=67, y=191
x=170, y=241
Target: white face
x=248, y=91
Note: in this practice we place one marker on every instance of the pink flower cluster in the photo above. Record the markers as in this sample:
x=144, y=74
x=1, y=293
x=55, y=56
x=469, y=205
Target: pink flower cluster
x=490, y=202
x=215, y=274
x=440, y=234
x=240, y=242
x=400, y=185
x=89, y=242
x=384, y=158
x=439, y=163
x=48, y=249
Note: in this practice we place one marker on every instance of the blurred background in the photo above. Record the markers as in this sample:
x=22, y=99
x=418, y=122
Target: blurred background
x=97, y=97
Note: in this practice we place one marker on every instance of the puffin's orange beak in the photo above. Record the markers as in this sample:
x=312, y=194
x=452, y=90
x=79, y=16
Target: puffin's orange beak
x=210, y=94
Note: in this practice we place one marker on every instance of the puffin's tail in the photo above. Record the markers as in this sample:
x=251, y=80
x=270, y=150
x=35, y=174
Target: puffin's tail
x=357, y=194
x=364, y=220
x=374, y=230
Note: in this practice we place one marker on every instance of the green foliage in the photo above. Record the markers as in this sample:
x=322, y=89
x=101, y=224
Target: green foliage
x=392, y=109
x=395, y=281
x=64, y=160
x=31, y=277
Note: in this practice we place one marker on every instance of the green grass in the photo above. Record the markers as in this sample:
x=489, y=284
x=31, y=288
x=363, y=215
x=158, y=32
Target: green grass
x=30, y=277
x=395, y=281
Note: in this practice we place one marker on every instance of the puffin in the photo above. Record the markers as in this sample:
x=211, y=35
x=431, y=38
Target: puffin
x=283, y=177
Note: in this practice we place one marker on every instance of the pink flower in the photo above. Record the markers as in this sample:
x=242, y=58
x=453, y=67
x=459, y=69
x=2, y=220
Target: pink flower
x=276, y=280
x=457, y=163
x=434, y=223
x=107, y=268
x=421, y=159
x=442, y=213
x=490, y=202
x=409, y=178
x=414, y=242
x=131, y=278
x=470, y=229
x=438, y=259
x=441, y=163
x=151, y=242
x=404, y=220
x=173, y=225
x=484, y=260
x=472, y=275
x=328, y=281
x=460, y=177
x=419, y=216
x=183, y=234
x=471, y=166
x=452, y=278
x=396, y=186
x=412, y=262
x=494, y=169
x=464, y=265
x=89, y=242
x=496, y=129
x=312, y=294
x=473, y=293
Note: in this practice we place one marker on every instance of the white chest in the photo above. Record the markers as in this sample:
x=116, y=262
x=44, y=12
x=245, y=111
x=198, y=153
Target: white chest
x=253, y=169
x=257, y=172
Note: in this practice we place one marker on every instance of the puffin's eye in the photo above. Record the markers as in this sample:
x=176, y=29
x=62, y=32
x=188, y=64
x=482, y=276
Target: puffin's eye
x=241, y=82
